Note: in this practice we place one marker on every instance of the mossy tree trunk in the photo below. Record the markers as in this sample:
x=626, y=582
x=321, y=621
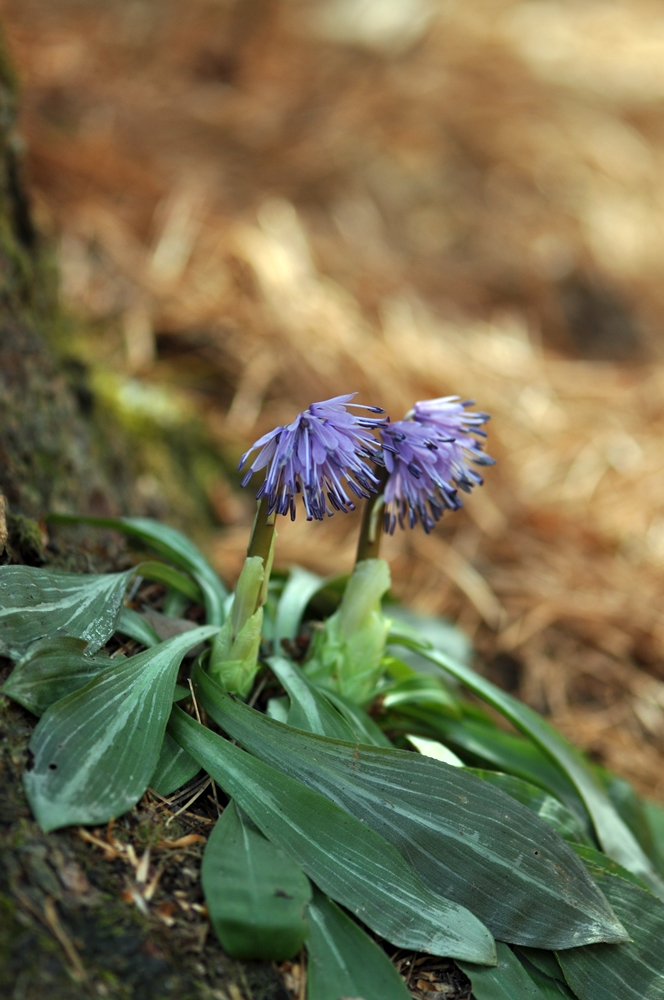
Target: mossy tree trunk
x=66, y=932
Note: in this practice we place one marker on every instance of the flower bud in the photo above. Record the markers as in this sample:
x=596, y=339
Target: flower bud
x=234, y=655
x=347, y=652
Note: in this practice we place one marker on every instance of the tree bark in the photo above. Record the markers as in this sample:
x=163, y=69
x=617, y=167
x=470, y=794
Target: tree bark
x=68, y=926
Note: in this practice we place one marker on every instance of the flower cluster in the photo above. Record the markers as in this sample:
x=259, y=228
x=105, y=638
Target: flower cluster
x=427, y=457
x=323, y=454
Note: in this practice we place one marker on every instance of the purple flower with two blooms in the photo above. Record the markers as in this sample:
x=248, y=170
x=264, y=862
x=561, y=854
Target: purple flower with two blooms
x=322, y=454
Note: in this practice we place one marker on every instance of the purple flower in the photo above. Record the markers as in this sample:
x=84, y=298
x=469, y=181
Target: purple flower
x=322, y=454
x=427, y=458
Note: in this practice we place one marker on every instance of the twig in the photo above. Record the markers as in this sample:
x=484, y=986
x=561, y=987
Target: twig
x=110, y=852
x=191, y=800
x=193, y=697
x=214, y=796
x=166, y=802
x=53, y=921
x=252, y=701
x=50, y=918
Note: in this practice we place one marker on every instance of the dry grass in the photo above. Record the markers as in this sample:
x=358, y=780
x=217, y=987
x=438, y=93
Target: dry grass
x=254, y=216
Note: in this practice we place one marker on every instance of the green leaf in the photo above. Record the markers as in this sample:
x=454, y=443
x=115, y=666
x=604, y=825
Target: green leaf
x=419, y=689
x=165, y=627
x=630, y=971
x=52, y=669
x=553, y=812
x=300, y=588
x=551, y=987
x=545, y=961
x=364, y=727
x=95, y=750
x=630, y=807
x=163, y=573
x=344, y=961
x=506, y=981
x=172, y=545
x=309, y=708
x=256, y=896
x=432, y=748
x=278, y=708
x=614, y=835
x=457, y=831
x=343, y=856
x=37, y=603
x=175, y=603
x=174, y=769
x=132, y=624
x=317, y=710
x=598, y=864
x=512, y=754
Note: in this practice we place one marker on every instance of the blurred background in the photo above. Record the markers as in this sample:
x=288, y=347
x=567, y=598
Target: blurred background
x=255, y=204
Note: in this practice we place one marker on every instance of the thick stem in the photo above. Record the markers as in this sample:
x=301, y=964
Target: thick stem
x=262, y=532
x=371, y=530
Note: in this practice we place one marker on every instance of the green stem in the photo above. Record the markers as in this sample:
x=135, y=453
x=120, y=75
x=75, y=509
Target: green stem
x=262, y=533
x=371, y=530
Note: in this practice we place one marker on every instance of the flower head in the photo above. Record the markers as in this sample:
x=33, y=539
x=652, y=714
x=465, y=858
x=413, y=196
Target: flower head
x=322, y=454
x=427, y=458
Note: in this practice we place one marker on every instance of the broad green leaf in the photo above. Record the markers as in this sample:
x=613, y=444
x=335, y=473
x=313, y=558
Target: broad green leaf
x=165, y=627
x=553, y=812
x=545, y=961
x=95, y=750
x=432, y=748
x=52, y=669
x=457, y=831
x=551, y=987
x=132, y=624
x=631, y=809
x=172, y=545
x=630, y=971
x=42, y=603
x=614, y=835
x=163, y=573
x=364, y=727
x=256, y=895
x=318, y=710
x=598, y=863
x=174, y=768
x=509, y=753
x=300, y=588
x=175, y=603
x=506, y=981
x=396, y=668
x=419, y=689
x=344, y=961
x=278, y=708
x=309, y=708
x=347, y=859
